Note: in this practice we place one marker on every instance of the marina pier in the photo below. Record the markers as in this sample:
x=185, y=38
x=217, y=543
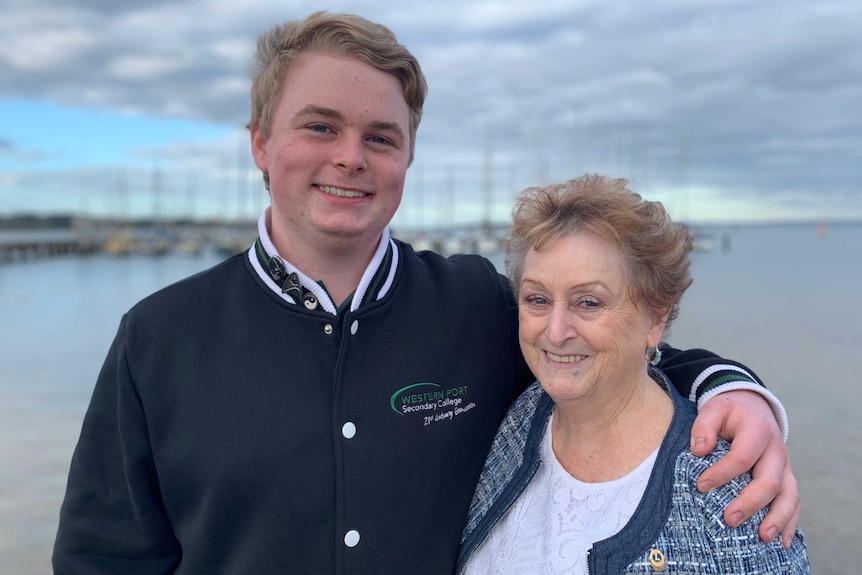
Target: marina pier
x=82, y=237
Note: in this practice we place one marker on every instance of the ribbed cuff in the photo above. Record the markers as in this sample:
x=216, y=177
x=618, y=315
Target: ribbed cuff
x=724, y=377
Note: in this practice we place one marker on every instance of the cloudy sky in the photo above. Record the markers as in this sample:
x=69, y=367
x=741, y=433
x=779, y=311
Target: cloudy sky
x=726, y=110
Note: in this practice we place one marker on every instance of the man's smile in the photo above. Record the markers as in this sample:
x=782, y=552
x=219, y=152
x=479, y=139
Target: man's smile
x=340, y=192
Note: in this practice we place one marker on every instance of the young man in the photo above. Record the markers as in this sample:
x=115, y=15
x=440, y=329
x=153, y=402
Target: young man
x=324, y=402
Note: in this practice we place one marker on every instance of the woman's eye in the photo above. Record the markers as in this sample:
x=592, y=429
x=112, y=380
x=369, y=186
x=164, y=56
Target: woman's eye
x=535, y=300
x=589, y=302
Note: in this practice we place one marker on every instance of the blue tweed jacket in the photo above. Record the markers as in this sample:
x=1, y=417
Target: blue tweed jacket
x=675, y=529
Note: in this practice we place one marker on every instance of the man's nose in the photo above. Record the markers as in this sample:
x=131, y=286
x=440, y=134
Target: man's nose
x=351, y=154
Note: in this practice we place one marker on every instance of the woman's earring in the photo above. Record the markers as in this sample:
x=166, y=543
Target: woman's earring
x=653, y=355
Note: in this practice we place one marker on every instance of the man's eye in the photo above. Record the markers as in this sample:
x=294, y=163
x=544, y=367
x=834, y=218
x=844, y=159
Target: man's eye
x=379, y=140
x=319, y=128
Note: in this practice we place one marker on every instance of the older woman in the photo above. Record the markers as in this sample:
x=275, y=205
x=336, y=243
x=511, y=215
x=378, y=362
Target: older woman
x=590, y=471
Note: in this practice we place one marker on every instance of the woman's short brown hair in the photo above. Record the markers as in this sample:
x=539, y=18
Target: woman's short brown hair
x=656, y=250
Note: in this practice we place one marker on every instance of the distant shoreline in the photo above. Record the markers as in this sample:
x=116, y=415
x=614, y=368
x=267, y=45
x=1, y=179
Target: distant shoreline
x=66, y=221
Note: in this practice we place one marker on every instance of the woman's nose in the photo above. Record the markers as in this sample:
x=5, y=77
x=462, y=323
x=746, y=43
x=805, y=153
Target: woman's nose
x=561, y=326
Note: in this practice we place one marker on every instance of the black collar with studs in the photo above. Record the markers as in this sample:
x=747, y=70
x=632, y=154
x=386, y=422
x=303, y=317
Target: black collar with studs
x=289, y=281
x=275, y=268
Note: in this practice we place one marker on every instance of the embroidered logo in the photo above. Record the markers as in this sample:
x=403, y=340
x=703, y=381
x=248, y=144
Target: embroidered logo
x=432, y=400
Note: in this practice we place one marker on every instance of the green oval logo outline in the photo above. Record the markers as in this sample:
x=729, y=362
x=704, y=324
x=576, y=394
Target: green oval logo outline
x=403, y=389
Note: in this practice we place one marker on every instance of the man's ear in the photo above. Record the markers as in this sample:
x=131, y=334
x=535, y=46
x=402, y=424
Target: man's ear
x=258, y=146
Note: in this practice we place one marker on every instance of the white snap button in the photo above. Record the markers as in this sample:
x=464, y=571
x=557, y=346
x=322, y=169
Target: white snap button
x=327, y=329
x=348, y=430
x=354, y=327
x=351, y=538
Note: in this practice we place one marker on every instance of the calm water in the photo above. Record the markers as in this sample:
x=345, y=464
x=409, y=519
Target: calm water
x=785, y=301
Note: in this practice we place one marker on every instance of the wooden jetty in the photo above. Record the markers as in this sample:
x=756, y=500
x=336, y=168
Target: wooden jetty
x=30, y=244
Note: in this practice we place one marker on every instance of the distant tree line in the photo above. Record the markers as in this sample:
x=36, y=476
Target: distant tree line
x=18, y=222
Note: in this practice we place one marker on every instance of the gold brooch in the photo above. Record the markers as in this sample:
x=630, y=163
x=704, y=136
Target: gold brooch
x=656, y=559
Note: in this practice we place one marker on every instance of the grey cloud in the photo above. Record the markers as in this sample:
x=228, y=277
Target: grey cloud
x=11, y=149
x=729, y=94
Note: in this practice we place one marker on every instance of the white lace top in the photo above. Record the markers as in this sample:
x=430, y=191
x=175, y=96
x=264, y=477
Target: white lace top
x=557, y=519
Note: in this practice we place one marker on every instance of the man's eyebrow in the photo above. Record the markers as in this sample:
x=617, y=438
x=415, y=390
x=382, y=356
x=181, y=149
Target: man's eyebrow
x=312, y=110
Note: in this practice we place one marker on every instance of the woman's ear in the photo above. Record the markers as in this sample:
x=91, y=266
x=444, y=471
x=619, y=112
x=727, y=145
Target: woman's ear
x=656, y=329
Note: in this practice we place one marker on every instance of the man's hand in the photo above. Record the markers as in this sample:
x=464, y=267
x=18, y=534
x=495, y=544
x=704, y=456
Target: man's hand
x=746, y=420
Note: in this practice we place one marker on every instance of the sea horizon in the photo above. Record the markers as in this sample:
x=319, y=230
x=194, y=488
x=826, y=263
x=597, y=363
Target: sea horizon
x=783, y=300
